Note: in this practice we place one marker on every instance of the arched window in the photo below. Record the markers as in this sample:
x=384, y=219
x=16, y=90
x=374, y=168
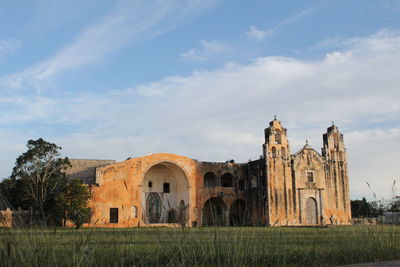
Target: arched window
x=210, y=179
x=273, y=152
x=335, y=140
x=227, y=180
x=278, y=137
x=253, y=183
x=283, y=152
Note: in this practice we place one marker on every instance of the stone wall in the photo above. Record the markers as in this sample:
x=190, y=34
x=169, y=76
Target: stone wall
x=85, y=169
x=16, y=218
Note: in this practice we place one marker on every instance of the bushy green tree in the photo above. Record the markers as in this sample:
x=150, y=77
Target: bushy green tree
x=395, y=205
x=364, y=209
x=71, y=203
x=12, y=194
x=41, y=174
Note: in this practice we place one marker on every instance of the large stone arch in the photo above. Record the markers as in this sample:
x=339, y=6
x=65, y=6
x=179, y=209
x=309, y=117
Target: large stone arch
x=214, y=211
x=165, y=186
x=238, y=213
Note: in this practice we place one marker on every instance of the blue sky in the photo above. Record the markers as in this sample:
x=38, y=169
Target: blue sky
x=202, y=78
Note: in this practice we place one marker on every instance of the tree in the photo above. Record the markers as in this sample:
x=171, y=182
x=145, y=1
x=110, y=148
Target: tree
x=42, y=171
x=363, y=208
x=12, y=194
x=71, y=203
x=395, y=205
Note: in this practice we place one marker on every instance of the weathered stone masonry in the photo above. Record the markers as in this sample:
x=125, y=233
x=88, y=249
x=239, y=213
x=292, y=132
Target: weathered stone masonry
x=306, y=188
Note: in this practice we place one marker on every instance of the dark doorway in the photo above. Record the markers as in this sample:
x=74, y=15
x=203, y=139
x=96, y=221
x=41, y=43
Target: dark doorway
x=113, y=215
x=172, y=216
x=214, y=212
x=237, y=215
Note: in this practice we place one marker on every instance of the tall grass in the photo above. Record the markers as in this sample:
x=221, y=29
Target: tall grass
x=199, y=246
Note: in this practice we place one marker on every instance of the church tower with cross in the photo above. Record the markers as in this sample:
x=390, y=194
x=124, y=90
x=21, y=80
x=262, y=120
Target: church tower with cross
x=306, y=188
x=279, y=184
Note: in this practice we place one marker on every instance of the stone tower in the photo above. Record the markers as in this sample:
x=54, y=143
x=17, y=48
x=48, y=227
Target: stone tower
x=337, y=180
x=279, y=184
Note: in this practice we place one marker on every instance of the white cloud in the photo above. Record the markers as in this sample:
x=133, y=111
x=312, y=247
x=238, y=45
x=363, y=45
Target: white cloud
x=129, y=22
x=218, y=115
x=256, y=33
x=8, y=46
x=208, y=50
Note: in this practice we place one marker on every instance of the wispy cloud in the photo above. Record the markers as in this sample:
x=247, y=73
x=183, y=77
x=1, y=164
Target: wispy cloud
x=207, y=51
x=128, y=22
x=8, y=46
x=259, y=34
x=256, y=33
x=393, y=5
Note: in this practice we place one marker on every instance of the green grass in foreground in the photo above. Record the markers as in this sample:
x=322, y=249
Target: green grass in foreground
x=199, y=246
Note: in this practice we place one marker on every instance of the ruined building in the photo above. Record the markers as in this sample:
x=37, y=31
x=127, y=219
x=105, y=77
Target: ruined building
x=305, y=188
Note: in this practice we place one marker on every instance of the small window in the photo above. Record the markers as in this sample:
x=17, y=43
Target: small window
x=210, y=179
x=253, y=182
x=310, y=177
x=166, y=188
x=283, y=153
x=134, y=212
x=241, y=184
x=150, y=184
x=227, y=180
x=273, y=152
x=278, y=137
x=113, y=215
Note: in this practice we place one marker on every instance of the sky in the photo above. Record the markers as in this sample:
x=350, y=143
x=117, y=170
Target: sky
x=203, y=78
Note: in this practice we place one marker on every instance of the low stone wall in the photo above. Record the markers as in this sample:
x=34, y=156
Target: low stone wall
x=16, y=218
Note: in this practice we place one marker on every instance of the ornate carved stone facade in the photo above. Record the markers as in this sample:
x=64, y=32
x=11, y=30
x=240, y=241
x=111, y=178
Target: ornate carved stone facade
x=306, y=188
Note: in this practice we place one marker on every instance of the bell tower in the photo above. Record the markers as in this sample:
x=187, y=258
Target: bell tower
x=337, y=179
x=278, y=174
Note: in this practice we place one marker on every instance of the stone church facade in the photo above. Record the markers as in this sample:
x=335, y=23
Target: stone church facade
x=280, y=188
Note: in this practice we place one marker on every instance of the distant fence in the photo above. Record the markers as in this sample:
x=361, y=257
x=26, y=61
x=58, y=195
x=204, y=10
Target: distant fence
x=391, y=218
x=387, y=218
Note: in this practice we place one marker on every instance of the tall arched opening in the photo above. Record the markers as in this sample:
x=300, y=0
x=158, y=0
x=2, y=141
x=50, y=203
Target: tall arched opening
x=237, y=213
x=214, y=212
x=311, y=211
x=165, y=188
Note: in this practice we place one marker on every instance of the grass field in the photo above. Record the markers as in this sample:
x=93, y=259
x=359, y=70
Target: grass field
x=199, y=246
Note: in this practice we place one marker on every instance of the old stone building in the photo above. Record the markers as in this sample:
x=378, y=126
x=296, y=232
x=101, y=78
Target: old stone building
x=280, y=188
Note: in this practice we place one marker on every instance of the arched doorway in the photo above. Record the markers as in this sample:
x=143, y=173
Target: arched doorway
x=311, y=211
x=172, y=216
x=237, y=215
x=214, y=212
x=165, y=187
